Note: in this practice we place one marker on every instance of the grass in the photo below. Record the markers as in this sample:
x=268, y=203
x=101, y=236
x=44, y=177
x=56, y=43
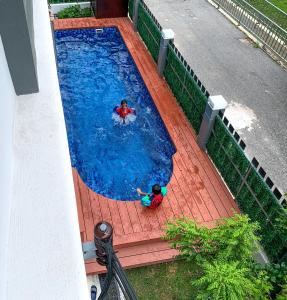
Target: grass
x=167, y=281
x=271, y=12
x=282, y=4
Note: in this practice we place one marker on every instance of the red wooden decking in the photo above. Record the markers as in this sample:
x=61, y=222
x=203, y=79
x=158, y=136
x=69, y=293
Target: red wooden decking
x=195, y=189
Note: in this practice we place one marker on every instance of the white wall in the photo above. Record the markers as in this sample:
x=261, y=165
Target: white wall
x=7, y=101
x=44, y=248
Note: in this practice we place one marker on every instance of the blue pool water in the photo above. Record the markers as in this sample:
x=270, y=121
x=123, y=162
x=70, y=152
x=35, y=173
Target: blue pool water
x=95, y=73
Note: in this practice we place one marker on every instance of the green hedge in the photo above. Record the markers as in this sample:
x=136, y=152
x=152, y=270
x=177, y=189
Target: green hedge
x=149, y=32
x=185, y=89
x=233, y=164
x=131, y=8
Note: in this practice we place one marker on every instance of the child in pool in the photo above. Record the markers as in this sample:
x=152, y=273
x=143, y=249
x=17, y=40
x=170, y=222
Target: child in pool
x=155, y=197
x=124, y=110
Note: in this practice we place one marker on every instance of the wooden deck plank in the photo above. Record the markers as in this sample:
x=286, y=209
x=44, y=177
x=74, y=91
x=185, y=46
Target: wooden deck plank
x=95, y=205
x=141, y=212
x=115, y=216
x=134, y=218
x=136, y=261
x=208, y=193
x=87, y=210
x=79, y=206
x=212, y=177
x=203, y=198
x=126, y=222
x=105, y=210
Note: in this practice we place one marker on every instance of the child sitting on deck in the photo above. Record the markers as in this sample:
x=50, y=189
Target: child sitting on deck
x=154, y=199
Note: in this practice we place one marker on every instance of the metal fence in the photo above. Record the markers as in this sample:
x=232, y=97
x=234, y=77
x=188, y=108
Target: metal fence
x=254, y=192
x=265, y=30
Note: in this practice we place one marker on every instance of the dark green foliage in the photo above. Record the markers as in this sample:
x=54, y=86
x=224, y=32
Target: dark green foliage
x=283, y=293
x=149, y=32
x=74, y=12
x=277, y=276
x=281, y=223
x=185, y=89
x=131, y=8
x=231, y=281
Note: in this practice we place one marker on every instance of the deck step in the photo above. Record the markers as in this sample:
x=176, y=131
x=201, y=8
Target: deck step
x=134, y=239
x=138, y=256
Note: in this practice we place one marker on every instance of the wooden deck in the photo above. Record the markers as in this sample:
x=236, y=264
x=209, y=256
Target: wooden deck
x=195, y=189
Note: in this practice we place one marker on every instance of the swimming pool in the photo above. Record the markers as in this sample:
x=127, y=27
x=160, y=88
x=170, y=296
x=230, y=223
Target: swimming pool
x=96, y=72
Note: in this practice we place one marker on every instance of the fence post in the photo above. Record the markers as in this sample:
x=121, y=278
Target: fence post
x=167, y=35
x=136, y=14
x=213, y=106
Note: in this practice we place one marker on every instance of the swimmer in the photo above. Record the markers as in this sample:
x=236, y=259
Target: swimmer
x=124, y=110
x=125, y=113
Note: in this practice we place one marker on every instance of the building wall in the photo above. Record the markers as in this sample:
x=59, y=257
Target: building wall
x=40, y=239
x=7, y=105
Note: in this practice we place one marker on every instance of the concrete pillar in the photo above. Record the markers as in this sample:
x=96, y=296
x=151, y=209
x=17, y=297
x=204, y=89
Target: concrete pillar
x=213, y=106
x=167, y=35
x=17, y=34
x=136, y=14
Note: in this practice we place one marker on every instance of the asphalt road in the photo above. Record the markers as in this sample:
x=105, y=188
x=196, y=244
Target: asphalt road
x=228, y=64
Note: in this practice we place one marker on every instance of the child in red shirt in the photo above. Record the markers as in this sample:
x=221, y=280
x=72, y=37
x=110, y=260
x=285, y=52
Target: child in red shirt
x=124, y=110
x=155, y=197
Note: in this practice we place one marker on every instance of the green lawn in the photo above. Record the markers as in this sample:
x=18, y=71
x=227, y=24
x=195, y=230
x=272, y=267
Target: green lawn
x=282, y=4
x=271, y=12
x=168, y=281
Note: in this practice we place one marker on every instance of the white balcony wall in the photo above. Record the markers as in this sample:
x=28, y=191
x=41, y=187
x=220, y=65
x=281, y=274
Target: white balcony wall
x=40, y=246
x=7, y=104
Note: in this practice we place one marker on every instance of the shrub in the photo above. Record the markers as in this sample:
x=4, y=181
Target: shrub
x=74, y=12
x=277, y=276
x=230, y=281
x=283, y=294
x=233, y=239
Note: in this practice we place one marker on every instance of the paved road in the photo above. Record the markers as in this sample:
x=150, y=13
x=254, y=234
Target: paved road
x=228, y=64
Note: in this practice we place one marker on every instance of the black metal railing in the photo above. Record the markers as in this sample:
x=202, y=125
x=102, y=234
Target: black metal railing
x=102, y=250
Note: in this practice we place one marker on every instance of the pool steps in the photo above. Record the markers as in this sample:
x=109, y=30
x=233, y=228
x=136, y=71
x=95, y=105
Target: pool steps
x=99, y=30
